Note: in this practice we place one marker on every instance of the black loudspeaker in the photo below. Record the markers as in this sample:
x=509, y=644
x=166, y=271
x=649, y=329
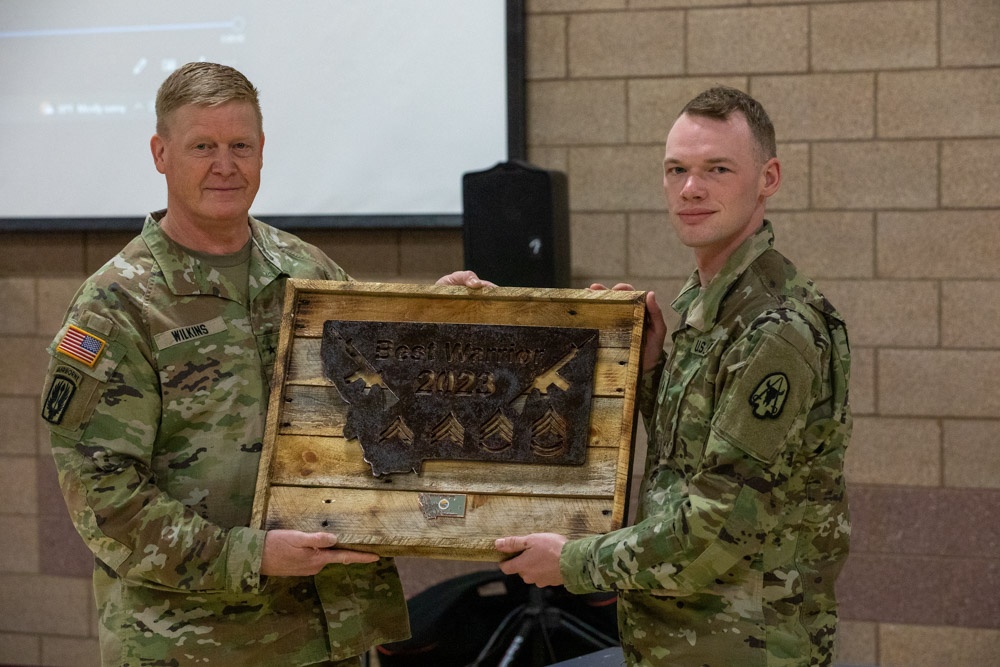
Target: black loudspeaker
x=516, y=225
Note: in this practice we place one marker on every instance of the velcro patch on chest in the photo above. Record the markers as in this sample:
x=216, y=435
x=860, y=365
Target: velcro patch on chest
x=703, y=345
x=189, y=332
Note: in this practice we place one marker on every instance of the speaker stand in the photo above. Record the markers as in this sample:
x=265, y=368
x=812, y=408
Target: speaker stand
x=537, y=617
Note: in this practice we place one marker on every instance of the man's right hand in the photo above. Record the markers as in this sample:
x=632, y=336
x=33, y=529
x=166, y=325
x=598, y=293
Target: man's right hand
x=464, y=279
x=292, y=553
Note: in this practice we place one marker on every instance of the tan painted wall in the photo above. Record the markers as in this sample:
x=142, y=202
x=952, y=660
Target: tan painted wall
x=888, y=120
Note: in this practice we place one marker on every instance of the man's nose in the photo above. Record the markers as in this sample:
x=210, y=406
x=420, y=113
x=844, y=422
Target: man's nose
x=223, y=163
x=692, y=188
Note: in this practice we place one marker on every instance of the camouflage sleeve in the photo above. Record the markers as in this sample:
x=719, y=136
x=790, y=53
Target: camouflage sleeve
x=648, y=384
x=332, y=270
x=305, y=253
x=103, y=418
x=694, y=535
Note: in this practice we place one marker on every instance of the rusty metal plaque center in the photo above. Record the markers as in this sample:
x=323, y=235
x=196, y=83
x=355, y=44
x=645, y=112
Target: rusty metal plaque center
x=423, y=391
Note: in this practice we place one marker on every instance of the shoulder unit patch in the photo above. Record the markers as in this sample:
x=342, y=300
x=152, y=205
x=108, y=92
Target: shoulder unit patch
x=768, y=399
x=65, y=382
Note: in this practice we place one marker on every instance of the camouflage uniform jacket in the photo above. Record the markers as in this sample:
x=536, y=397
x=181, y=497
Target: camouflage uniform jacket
x=742, y=524
x=156, y=398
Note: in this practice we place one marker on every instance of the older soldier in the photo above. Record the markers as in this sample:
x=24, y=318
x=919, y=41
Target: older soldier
x=742, y=525
x=156, y=398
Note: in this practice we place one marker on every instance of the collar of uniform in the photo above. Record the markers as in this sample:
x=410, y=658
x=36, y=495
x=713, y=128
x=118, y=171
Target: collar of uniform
x=699, y=308
x=183, y=274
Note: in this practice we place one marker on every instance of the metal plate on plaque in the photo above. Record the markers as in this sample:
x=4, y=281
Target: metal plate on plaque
x=423, y=391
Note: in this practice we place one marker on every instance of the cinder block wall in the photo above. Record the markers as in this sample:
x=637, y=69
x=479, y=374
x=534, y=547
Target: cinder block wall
x=888, y=120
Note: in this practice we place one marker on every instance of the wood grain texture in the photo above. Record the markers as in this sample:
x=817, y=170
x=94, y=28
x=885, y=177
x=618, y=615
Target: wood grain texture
x=376, y=520
x=336, y=462
x=610, y=372
x=320, y=410
x=312, y=478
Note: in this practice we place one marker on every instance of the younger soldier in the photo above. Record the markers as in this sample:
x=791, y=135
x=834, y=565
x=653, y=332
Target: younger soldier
x=742, y=525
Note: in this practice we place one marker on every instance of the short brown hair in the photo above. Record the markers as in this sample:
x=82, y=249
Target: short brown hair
x=721, y=102
x=204, y=84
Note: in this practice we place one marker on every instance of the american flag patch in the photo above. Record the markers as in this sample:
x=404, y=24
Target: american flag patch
x=81, y=345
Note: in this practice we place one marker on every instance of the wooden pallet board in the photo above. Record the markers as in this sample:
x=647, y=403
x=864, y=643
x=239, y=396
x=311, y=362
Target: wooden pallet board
x=314, y=478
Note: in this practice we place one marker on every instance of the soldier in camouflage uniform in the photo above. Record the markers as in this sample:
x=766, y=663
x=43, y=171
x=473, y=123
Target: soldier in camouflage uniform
x=155, y=399
x=742, y=524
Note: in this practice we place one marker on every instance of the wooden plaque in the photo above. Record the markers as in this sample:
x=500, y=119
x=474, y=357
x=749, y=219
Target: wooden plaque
x=314, y=478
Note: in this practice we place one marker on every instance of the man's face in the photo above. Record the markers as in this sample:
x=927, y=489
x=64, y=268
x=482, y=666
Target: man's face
x=212, y=157
x=715, y=185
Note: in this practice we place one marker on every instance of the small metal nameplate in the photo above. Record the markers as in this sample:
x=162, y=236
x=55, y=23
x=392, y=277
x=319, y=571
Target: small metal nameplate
x=498, y=393
x=433, y=505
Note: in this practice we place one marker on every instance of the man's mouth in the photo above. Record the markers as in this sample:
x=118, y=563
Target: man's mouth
x=693, y=215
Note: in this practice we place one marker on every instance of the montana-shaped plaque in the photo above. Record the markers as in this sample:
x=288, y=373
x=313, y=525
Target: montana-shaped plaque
x=478, y=392
x=428, y=420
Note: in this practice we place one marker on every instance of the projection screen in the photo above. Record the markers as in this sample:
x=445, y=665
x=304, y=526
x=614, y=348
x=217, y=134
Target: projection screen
x=373, y=109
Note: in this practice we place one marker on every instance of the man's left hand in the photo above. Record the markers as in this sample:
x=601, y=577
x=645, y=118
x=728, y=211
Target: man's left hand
x=538, y=560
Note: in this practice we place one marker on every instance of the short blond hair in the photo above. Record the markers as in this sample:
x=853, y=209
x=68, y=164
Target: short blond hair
x=204, y=84
x=721, y=102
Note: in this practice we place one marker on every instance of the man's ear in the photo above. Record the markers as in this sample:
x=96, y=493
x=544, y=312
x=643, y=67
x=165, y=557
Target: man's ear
x=771, y=178
x=157, y=146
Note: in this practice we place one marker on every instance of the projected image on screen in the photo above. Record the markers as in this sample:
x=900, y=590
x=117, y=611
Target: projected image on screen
x=371, y=107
